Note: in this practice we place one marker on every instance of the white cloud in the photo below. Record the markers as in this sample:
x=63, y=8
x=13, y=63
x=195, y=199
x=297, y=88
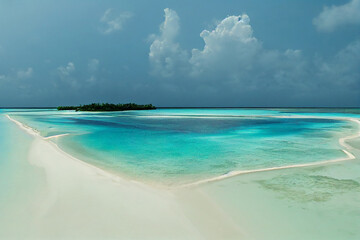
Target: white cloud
x=24, y=74
x=230, y=53
x=66, y=74
x=234, y=61
x=114, y=22
x=91, y=79
x=334, y=17
x=165, y=54
x=230, y=45
x=67, y=70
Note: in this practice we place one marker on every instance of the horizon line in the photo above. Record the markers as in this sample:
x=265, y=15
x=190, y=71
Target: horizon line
x=51, y=107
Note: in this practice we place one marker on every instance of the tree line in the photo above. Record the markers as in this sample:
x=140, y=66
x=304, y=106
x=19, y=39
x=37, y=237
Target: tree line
x=98, y=107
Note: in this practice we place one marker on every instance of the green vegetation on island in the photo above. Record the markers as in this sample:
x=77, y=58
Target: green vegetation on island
x=98, y=107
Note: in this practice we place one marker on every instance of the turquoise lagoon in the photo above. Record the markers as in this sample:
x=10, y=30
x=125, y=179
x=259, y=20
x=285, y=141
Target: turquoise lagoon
x=176, y=146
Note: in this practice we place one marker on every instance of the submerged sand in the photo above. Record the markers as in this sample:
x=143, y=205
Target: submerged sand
x=75, y=200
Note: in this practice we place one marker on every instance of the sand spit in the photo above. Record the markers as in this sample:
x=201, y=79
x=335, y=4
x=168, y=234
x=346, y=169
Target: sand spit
x=82, y=201
x=342, y=142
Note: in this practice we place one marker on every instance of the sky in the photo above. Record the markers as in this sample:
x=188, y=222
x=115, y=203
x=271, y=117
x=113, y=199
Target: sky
x=198, y=53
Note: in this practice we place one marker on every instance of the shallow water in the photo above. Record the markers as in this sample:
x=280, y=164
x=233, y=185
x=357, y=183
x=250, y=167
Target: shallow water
x=175, y=146
x=303, y=203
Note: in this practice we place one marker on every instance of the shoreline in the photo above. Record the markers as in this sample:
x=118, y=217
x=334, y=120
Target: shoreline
x=76, y=200
x=82, y=196
x=56, y=136
x=342, y=142
x=99, y=171
x=232, y=173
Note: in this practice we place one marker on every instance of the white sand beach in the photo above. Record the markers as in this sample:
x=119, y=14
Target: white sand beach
x=180, y=120
x=80, y=201
x=75, y=200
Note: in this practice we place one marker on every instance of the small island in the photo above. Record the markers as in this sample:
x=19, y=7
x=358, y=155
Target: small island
x=107, y=107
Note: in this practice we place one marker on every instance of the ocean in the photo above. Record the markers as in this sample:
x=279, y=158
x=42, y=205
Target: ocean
x=224, y=173
x=177, y=146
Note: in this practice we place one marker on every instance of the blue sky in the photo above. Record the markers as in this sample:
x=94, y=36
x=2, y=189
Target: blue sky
x=180, y=53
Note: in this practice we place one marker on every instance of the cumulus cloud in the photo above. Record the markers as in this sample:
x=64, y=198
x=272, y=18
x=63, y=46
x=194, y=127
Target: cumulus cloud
x=24, y=74
x=66, y=74
x=234, y=61
x=334, y=17
x=114, y=22
x=230, y=53
x=230, y=45
x=65, y=71
x=165, y=54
